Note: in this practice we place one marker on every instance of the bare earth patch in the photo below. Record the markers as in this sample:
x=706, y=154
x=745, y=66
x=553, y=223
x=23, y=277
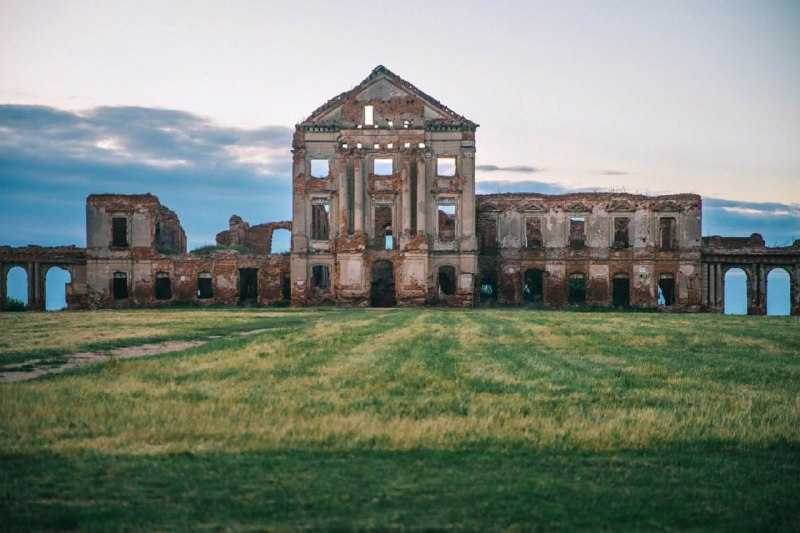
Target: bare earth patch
x=42, y=367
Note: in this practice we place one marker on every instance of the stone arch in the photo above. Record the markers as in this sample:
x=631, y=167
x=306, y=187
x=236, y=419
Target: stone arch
x=57, y=279
x=735, y=289
x=779, y=284
x=17, y=283
x=446, y=280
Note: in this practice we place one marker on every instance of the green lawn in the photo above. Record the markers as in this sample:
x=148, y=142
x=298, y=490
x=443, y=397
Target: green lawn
x=432, y=418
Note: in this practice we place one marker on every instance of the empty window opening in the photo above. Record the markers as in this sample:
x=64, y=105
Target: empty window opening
x=666, y=231
x=406, y=145
x=621, y=232
x=281, y=241
x=320, y=222
x=487, y=233
x=17, y=287
x=447, y=223
x=55, y=293
x=382, y=228
x=205, y=289
x=621, y=291
x=447, y=280
x=382, y=290
x=120, y=285
x=320, y=168
x=778, y=292
x=533, y=233
x=533, y=286
x=577, y=290
x=735, y=292
x=390, y=146
x=119, y=232
x=666, y=289
x=577, y=232
x=163, y=286
x=488, y=287
x=286, y=286
x=390, y=123
x=446, y=166
x=421, y=145
x=406, y=123
x=376, y=146
x=320, y=277
x=248, y=285
x=369, y=117
x=382, y=167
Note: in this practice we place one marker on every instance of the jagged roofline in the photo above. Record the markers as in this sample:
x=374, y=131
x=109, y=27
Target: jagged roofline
x=380, y=70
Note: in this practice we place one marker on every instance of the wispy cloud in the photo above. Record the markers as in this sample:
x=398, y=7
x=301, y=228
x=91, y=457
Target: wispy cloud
x=200, y=169
x=615, y=173
x=778, y=223
x=522, y=169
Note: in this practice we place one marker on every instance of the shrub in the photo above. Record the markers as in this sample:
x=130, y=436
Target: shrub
x=12, y=304
x=213, y=248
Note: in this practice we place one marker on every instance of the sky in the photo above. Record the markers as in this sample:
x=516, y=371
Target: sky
x=196, y=101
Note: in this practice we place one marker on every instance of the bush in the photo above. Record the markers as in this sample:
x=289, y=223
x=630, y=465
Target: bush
x=12, y=304
x=213, y=248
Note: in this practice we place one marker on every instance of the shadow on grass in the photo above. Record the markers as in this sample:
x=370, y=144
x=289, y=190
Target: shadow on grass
x=476, y=490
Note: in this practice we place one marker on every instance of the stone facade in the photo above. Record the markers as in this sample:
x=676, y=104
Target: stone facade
x=385, y=213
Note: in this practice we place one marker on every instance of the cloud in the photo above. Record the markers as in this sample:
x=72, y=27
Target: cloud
x=501, y=186
x=51, y=159
x=778, y=223
x=615, y=173
x=522, y=169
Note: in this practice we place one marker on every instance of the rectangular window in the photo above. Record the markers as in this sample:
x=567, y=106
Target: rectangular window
x=533, y=233
x=320, y=277
x=447, y=223
x=383, y=227
x=204, y=288
x=666, y=231
x=319, y=222
x=320, y=168
x=120, y=285
x=382, y=167
x=446, y=166
x=369, y=115
x=577, y=232
x=119, y=232
x=621, y=232
x=487, y=231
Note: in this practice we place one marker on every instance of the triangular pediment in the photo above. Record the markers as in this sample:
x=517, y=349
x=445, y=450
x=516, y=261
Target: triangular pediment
x=667, y=205
x=386, y=90
x=488, y=207
x=620, y=205
x=531, y=208
x=578, y=207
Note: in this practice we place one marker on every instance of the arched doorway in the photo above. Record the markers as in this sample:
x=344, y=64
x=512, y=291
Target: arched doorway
x=576, y=294
x=735, y=292
x=488, y=287
x=778, y=292
x=382, y=292
x=533, y=286
x=56, y=288
x=17, y=288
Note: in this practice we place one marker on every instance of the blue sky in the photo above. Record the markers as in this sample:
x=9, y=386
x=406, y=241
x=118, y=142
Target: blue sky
x=195, y=101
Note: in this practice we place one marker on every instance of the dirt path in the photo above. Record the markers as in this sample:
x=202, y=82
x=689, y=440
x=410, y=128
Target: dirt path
x=43, y=367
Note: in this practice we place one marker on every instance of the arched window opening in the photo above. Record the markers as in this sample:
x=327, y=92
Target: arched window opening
x=17, y=283
x=533, y=286
x=577, y=290
x=56, y=288
x=735, y=292
x=281, y=241
x=163, y=286
x=778, y=292
x=447, y=280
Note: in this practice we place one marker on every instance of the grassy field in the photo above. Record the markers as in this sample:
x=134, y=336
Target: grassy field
x=486, y=419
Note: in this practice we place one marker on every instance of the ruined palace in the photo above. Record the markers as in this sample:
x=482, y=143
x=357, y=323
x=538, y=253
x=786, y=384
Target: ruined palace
x=385, y=213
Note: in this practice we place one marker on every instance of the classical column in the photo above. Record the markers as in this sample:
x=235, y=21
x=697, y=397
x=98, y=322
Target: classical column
x=719, y=285
x=422, y=195
x=340, y=164
x=708, y=285
x=467, y=214
x=405, y=197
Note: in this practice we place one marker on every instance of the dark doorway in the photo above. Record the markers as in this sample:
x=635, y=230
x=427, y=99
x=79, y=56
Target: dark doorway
x=577, y=290
x=533, y=286
x=382, y=292
x=163, y=286
x=205, y=288
x=488, y=287
x=447, y=280
x=120, y=285
x=621, y=292
x=286, y=286
x=248, y=285
x=666, y=290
